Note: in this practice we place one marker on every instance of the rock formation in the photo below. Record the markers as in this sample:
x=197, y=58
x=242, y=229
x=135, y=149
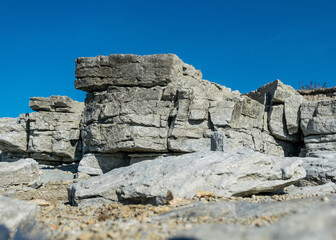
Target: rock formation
x=142, y=108
x=147, y=106
x=52, y=134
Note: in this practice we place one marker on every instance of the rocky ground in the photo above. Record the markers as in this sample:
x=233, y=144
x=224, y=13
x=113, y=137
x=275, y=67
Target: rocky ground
x=57, y=219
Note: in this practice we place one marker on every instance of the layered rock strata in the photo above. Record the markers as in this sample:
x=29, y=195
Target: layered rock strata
x=318, y=124
x=147, y=106
x=52, y=134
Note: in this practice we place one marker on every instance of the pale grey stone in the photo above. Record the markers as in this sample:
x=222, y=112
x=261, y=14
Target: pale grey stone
x=54, y=136
x=15, y=214
x=311, y=191
x=277, y=126
x=221, y=113
x=98, y=164
x=292, y=113
x=314, y=224
x=318, y=118
x=188, y=145
x=13, y=134
x=319, y=170
x=23, y=171
x=224, y=174
x=56, y=104
x=273, y=92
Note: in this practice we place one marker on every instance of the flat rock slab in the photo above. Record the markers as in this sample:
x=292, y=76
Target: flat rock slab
x=314, y=224
x=240, y=210
x=16, y=214
x=23, y=171
x=240, y=173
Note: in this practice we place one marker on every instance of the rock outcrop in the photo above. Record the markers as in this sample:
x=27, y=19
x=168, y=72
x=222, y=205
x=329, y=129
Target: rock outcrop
x=159, y=105
x=146, y=107
x=54, y=131
x=50, y=135
x=223, y=174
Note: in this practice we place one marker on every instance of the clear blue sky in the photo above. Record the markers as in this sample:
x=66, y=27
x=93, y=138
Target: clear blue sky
x=238, y=44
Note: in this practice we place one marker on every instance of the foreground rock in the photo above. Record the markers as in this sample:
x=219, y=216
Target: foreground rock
x=316, y=224
x=24, y=171
x=15, y=214
x=224, y=174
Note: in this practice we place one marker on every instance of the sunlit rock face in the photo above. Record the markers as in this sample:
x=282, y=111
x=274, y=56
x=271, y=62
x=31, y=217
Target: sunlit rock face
x=159, y=105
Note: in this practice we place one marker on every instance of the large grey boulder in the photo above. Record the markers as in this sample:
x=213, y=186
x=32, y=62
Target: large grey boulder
x=23, y=171
x=15, y=214
x=225, y=174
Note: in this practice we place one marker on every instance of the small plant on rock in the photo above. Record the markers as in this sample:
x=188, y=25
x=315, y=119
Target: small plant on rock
x=313, y=85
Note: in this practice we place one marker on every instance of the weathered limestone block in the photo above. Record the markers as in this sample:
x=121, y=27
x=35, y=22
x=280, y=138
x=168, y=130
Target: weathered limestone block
x=221, y=113
x=54, y=134
x=187, y=145
x=318, y=124
x=23, y=171
x=98, y=164
x=55, y=104
x=248, y=114
x=16, y=215
x=99, y=73
x=292, y=113
x=54, y=131
x=319, y=118
x=13, y=134
x=273, y=93
x=277, y=126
